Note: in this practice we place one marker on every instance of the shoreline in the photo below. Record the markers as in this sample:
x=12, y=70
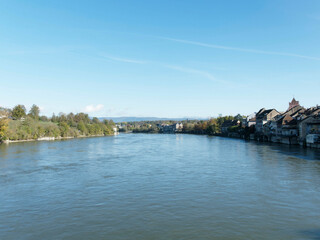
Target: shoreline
x=117, y=133
x=52, y=138
x=311, y=146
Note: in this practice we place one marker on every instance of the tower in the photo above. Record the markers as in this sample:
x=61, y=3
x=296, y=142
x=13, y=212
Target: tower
x=293, y=103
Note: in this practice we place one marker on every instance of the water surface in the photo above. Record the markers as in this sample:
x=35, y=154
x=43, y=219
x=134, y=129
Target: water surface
x=140, y=186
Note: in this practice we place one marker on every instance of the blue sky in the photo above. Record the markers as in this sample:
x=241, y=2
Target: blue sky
x=159, y=58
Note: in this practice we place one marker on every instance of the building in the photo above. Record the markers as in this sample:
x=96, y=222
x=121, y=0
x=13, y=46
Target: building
x=115, y=131
x=293, y=103
x=283, y=127
x=263, y=116
x=173, y=128
x=178, y=126
x=297, y=125
x=286, y=130
x=309, y=125
x=249, y=120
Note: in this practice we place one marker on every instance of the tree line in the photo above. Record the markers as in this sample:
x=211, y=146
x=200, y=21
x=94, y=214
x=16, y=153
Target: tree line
x=213, y=126
x=18, y=124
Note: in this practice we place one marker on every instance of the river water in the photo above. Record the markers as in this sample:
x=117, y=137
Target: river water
x=154, y=186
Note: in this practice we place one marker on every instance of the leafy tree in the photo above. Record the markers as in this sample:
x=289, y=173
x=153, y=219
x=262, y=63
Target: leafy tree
x=5, y=112
x=70, y=116
x=64, y=127
x=35, y=126
x=34, y=112
x=52, y=131
x=82, y=116
x=19, y=112
x=82, y=127
x=39, y=132
x=3, y=128
x=238, y=117
x=54, y=118
x=212, y=129
x=111, y=123
x=62, y=117
x=44, y=119
x=95, y=120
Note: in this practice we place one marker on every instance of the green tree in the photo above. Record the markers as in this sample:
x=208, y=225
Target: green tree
x=82, y=128
x=5, y=112
x=95, y=120
x=212, y=129
x=34, y=112
x=54, y=118
x=62, y=117
x=64, y=128
x=44, y=119
x=82, y=116
x=238, y=117
x=3, y=128
x=52, y=131
x=19, y=112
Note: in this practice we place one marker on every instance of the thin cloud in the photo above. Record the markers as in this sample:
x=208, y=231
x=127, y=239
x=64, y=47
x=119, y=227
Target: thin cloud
x=93, y=108
x=240, y=49
x=195, y=71
x=126, y=60
x=42, y=50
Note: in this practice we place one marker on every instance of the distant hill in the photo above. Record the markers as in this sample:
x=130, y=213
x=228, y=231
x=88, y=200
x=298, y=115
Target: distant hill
x=138, y=119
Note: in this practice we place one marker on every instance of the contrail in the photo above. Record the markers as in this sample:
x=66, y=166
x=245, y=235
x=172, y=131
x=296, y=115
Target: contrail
x=126, y=60
x=240, y=49
x=196, y=71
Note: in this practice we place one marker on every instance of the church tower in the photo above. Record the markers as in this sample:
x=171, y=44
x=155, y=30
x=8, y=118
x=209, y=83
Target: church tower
x=293, y=104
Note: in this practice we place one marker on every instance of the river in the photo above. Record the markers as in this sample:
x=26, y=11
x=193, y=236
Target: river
x=157, y=186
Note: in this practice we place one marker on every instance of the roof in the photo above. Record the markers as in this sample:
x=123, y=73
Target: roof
x=310, y=112
x=260, y=111
x=294, y=110
x=294, y=101
x=286, y=120
x=262, y=114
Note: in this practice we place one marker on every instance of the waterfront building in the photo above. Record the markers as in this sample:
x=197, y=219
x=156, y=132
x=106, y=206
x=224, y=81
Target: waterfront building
x=263, y=116
x=250, y=120
x=309, y=124
x=173, y=128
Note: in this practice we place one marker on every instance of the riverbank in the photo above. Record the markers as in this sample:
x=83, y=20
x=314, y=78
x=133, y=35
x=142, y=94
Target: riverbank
x=250, y=137
x=33, y=127
x=54, y=138
x=283, y=141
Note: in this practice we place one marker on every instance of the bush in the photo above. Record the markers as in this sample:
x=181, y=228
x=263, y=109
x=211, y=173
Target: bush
x=34, y=127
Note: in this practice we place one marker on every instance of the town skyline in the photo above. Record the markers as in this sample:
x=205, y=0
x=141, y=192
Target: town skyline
x=154, y=118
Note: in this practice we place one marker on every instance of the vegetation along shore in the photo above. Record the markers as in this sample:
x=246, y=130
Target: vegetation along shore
x=295, y=126
x=18, y=125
